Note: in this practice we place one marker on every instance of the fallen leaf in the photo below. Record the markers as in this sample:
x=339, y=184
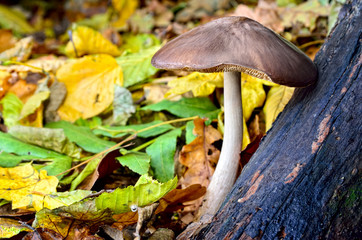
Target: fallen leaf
x=186, y=107
x=82, y=136
x=138, y=162
x=85, y=40
x=179, y=198
x=90, y=84
x=11, y=19
x=145, y=191
x=11, y=227
x=123, y=106
x=162, y=153
x=125, y=9
x=25, y=187
x=20, y=52
x=137, y=66
x=253, y=94
x=201, y=84
x=11, y=108
x=276, y=100
x=33, y=103
x=53, y=139
x=7, y=39
x=200, y=156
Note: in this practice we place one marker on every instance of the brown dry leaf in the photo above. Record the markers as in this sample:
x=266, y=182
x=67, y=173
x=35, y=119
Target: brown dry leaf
x=125, y=219
x=23, y=90
x=265, y=12
x=7, y=39
x=199, y=157
x=174, y=200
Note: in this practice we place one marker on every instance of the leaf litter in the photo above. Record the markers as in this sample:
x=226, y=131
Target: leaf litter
x=94, y=137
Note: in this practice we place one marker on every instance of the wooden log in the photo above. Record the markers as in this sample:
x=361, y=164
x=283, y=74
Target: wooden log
x=304, y=181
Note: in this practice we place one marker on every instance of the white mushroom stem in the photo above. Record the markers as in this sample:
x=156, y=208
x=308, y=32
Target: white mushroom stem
x=228, y=164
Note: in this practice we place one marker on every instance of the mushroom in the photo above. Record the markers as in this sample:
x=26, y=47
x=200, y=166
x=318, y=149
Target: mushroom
x=234, y=45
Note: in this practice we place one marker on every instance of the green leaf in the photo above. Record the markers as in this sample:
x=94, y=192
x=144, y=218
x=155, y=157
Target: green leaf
x=137, y=66
x=136, y=43
x=82, y=136
x=88, y=170
x=146, y=191
x=58, y=166
x=60, y=199
x=186, y=107
x=136, y=161
x=189, y=132
x=8, y=160
x=14, y=20
x=12, y=106
x=53, y=139
x=10, y=144
x=33, y=103
x=162, y=153
x=120, y=131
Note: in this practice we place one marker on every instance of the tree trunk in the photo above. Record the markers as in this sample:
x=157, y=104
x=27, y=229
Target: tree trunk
x=304, y=182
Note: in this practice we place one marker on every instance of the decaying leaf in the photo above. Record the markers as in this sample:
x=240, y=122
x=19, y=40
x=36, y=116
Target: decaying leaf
x=85, y=40
x=25, y=187
x=20, y=52
x=200, y=156
x=90, y=84
x=276, y=100
x=11, y=227
x=53, y=139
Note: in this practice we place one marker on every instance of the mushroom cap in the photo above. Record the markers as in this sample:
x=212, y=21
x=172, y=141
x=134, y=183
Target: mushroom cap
x=238, y=44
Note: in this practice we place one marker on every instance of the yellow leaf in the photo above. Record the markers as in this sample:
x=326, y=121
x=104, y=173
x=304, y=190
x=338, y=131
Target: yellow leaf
x=276, y=100
x=88, y=41
x=246, y=137
x=201, y=84
x=90, y=84
x=25, y=187
x=253, y=94
x=11, y=227
x=124, y=8
x=33, y=103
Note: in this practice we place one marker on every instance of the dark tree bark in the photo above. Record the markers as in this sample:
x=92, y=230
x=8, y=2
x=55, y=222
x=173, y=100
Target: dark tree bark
x=304, y=182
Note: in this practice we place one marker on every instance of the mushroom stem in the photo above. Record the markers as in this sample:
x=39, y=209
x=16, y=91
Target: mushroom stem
x=228, y=164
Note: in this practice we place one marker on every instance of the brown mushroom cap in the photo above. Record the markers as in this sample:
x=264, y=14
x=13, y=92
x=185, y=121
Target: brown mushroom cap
x=238, y=44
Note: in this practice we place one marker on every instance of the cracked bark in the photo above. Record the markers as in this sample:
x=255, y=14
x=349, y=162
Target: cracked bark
x=304, y=182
